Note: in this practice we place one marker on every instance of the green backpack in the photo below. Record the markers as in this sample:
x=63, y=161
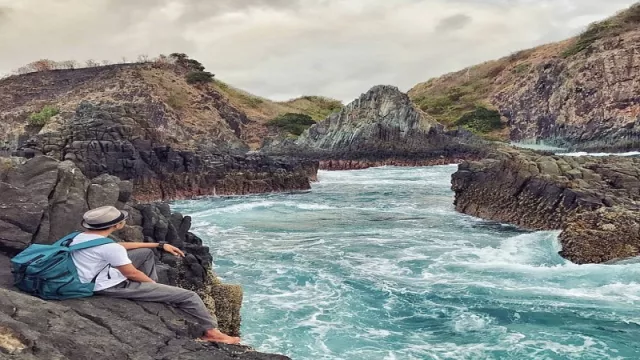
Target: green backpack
x=48, y=271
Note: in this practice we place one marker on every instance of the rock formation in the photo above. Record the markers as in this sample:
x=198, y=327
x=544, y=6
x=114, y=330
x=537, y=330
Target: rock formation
x=581, y=93
x=43, y=199
x=122, y=140
x=382, y=127
x=185, y=116
x=594, y=200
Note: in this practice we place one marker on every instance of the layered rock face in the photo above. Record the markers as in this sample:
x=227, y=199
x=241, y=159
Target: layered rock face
x=44, y=199
x=179, y=114
x=122, y=140
x=382, y=127
x=589, y=101
x=544, y=192
x=581, y=93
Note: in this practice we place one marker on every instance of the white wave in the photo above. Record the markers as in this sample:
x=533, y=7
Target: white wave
x=582, y=153
x=265, y=204
x=467, y=322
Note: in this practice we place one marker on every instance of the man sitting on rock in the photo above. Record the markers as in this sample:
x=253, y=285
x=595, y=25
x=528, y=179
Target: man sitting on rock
x=128, y=270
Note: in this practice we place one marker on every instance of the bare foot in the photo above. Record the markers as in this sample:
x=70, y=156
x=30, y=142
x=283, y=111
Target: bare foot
x=214, y=335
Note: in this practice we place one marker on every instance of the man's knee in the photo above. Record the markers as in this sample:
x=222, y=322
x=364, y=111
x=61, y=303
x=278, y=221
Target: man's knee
x=192, y=296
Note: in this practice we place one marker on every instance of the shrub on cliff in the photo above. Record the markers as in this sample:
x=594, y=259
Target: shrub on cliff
x=481, y=120
x=628, y=19
x=41, y=117
x=199, y=77
x=294, y=124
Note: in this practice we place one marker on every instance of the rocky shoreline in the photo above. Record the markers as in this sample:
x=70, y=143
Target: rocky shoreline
x=594, y=201
x=336, y=165
x=43, y=199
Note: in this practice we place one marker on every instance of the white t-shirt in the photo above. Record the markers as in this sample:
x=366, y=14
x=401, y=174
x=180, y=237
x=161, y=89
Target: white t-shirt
x=97, y=259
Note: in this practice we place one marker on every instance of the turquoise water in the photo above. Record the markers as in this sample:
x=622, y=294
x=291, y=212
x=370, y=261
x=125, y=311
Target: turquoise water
x=376, y=264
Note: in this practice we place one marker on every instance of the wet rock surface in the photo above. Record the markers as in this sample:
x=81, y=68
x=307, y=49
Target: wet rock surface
x=541, y=191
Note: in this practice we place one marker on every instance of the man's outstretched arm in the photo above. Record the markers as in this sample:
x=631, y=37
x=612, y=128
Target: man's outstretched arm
x=137, y=245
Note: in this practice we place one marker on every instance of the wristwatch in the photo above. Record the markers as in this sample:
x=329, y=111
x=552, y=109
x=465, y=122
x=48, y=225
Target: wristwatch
x=161, y=244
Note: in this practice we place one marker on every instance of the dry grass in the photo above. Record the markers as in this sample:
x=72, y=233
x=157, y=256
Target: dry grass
x=263, y=110
x=10, y=342
x=626, y=20
x=450, y=97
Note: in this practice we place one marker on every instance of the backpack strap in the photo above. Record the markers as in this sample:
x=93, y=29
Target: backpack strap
x=91, y=243
x=62, y=241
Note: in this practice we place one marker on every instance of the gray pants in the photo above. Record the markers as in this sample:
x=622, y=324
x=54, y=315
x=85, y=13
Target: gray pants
x=185, y=300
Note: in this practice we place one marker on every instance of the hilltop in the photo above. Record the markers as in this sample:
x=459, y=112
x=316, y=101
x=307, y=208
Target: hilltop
x=187, y=114
x=579, y=93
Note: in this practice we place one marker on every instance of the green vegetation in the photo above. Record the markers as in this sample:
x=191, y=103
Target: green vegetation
x=521, y=68
x=199, y=77
x=317, y=107
x=243, y=97
x=593, y=33
x=291, y=123
x=614, y=26
x=253, y=101
x=481, y=120
x=456, y=101
x=42, y=117
x=184, y=61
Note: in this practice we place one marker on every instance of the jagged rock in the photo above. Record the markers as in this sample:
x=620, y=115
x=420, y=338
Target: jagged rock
x=114, y=139
x=542, y=192
x=382, y=127
x=44, y=199
x=24, y=202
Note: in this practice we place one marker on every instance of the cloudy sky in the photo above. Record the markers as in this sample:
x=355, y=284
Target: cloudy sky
x=285, y=48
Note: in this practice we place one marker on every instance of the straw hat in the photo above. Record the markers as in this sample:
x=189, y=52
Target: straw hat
x=103, y=218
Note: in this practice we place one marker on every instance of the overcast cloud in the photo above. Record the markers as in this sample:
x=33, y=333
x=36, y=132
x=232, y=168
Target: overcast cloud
x=281, y=49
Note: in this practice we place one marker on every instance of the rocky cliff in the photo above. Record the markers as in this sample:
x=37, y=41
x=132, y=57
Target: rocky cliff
x=382, y=127
x=593, y=200
x=43, y=199
x=184, y=115
x=145, y=123
x=581, y=93
x=121, y=140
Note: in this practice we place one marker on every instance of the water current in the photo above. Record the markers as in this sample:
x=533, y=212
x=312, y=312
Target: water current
x=377, y=264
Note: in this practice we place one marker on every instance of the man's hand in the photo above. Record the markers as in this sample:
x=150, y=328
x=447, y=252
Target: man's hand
x=173, y=250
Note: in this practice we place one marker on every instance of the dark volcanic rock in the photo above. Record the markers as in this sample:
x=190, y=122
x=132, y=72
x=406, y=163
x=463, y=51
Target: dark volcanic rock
x=543, y=192
x=104, y=328
x=382, y=127
x=42, y=200
x=118, y=140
